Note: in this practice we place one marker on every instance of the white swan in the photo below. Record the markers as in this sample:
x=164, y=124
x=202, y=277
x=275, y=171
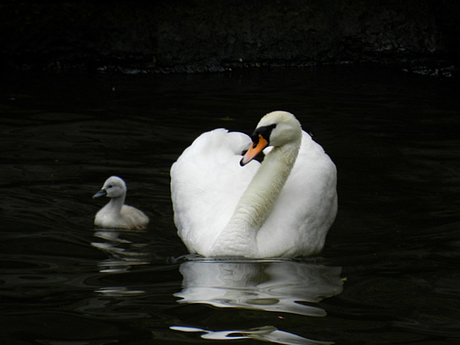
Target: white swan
x=280, y=208
x=115, y=214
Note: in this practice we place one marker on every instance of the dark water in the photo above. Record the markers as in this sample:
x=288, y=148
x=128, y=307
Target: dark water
x=389, y=273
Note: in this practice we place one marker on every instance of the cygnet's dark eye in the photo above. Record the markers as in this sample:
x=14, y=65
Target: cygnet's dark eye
x=109, y=186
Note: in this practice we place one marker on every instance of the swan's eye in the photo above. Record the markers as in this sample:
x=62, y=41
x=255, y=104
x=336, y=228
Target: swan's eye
x=264, y=131
x=109, y=186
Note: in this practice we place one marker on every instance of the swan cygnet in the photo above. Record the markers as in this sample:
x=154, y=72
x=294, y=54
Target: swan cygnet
x=227, y=204
x=117, y=215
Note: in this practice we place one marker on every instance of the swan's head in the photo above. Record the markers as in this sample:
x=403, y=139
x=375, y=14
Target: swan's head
x=113, y=187
x=277, y=128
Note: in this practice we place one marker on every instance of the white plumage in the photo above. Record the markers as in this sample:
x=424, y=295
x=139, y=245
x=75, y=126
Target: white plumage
x=280, y=208
x=117, y=215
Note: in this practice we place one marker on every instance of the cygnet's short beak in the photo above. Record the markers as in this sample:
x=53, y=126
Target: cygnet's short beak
x=102, y=192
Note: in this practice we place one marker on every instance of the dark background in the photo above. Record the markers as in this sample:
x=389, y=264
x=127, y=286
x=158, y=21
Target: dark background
x=208, y=35
x=393, y=136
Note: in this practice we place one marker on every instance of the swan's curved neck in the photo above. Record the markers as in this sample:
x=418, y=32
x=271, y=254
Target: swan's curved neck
x=260, y=196
x=258, y=200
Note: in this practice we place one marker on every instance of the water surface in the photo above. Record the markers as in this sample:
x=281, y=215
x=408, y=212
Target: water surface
x=388, y=273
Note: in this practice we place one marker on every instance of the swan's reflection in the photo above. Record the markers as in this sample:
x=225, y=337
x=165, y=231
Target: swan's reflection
x=265, y=333
x=124, y=253
x=266, y=285
x=281, y=285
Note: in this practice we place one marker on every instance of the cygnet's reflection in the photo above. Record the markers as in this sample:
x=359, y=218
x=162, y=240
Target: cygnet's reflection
x=266, y=285
x=269, y=285
x=124, y=251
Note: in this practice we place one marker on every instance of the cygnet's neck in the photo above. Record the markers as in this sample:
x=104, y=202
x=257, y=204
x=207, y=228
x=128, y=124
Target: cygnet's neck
x=239, y=236
x=115, y=204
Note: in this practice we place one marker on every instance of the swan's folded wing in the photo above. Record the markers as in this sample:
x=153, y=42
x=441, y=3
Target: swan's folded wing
x=206, y=183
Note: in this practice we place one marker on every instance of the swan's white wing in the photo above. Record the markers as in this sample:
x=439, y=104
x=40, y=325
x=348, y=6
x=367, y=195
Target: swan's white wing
x=306, y=207
x=207, y=181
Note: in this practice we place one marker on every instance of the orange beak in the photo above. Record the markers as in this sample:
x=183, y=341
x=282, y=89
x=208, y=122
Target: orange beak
x=254, y=150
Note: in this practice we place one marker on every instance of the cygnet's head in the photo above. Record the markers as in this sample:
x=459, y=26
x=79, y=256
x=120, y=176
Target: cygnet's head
x=113, y=187
x=274, y=129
